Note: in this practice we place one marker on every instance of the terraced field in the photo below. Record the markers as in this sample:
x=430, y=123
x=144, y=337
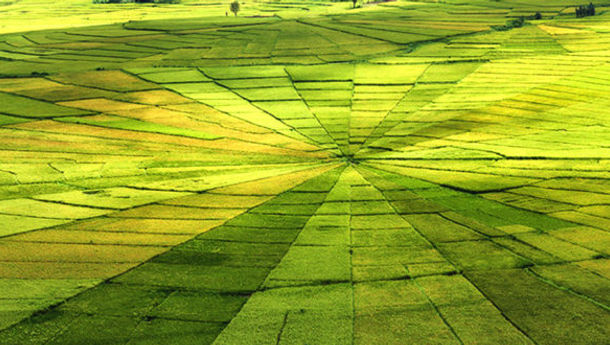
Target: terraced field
x=304, y=173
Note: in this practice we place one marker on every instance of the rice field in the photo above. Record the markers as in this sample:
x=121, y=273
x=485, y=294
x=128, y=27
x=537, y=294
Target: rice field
x=304, y=172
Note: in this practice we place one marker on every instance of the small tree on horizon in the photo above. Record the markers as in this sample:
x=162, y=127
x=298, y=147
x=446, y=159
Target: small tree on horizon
x=354, y=2
x=591, y=9
x=235, y=7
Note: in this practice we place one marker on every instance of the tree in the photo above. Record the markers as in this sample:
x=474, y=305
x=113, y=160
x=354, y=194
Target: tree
x=591, y=9
x=537, y=16
x=354, y=2
x=235, y=7
x=585, y=11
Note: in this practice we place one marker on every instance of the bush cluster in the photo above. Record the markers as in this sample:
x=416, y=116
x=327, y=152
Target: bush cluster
x=516, y=23
x=510, y=24
x=585, y=11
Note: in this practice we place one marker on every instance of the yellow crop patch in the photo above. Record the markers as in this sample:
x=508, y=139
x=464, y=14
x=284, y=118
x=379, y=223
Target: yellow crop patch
x=118, y=198
x=100, y=237
x=61, y=270
x=153, y=226
x=25, y=207
x=273, y=185
x=218, y=200
x=155, y=97
x=84, y=253
x=176, y=212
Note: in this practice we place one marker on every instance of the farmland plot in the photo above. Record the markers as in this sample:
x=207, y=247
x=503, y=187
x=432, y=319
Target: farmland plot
x=304, y=173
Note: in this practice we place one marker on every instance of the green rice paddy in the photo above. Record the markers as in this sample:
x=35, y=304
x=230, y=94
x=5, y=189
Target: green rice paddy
x=405, y=172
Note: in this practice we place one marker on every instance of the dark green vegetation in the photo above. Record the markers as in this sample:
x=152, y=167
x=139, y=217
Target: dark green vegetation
x=585, y=11
x=235, y=7
x=305, y=173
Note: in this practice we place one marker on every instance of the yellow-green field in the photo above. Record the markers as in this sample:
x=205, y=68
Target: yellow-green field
x=405, y=172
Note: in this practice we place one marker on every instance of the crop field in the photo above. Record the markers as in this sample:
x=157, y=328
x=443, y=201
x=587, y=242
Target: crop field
x=305, y=172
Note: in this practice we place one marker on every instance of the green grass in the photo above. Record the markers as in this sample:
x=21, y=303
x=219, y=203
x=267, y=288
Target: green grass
x=31, y=108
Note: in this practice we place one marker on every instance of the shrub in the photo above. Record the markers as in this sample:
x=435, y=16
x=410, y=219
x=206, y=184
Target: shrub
x=585, y=11
x=510, y=24
x=516, y=23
